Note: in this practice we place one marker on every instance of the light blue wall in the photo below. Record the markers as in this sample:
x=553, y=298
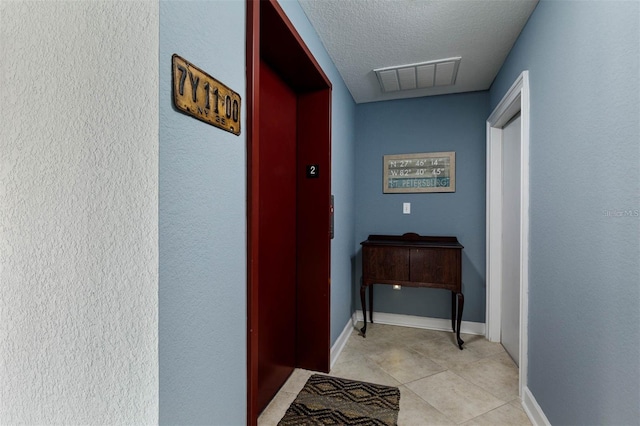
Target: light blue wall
x=202, y=300
x=342, y=172
x=202, y=285
x=584, y=300
x=432, y=124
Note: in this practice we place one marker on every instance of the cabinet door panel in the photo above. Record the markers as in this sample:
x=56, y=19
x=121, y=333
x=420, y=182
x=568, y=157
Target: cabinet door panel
x=434, y=266
x=385, y=263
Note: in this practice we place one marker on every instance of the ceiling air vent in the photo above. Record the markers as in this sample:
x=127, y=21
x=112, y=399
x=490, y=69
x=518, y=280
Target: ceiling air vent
x=442, y=72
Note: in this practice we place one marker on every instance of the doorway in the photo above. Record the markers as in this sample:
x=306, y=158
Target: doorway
x=511, y=212
x=288, y=208
x=508, y=223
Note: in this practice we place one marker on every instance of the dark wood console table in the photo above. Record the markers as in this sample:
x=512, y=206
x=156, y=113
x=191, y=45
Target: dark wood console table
x=412, y=260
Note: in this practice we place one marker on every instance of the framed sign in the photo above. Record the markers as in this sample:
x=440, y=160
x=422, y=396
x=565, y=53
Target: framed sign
x=428, y=172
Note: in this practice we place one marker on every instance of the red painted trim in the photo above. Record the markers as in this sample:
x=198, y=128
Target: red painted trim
x=252, y=103
x=313, y=233
x=308, y=56
x=272, y=37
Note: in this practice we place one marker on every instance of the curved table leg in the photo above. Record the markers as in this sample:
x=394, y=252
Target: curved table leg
x=370, y=304
x=453, y=311
x=363, y=330
x=460, y=308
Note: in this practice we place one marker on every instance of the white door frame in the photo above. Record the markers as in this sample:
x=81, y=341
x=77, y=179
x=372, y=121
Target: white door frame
x=516, y=100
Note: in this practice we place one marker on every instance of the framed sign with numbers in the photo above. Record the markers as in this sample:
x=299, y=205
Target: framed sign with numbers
x=428, y=172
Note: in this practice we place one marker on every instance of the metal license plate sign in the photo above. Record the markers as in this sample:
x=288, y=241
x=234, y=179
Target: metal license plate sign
x=199, y=95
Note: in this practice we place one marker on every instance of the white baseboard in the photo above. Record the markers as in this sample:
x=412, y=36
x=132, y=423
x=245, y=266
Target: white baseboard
x=338, y=346
x=533, y=410
x=440, y=324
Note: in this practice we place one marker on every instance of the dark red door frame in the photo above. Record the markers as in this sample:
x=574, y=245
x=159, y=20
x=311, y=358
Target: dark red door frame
x=272, y=38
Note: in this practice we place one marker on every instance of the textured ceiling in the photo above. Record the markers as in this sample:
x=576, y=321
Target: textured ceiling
x=361, y=35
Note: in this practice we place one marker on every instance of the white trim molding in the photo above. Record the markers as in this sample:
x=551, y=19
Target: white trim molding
x=515, y=100
x=533, y=410
x=342, y=340
x=414, y=321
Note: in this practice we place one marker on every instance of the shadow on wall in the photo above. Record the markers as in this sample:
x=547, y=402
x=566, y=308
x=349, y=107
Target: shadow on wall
x=471, y=274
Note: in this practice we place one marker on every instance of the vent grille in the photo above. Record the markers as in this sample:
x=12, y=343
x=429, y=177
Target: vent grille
x=442, y=72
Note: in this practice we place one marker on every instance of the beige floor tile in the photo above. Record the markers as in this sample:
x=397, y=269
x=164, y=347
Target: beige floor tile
x=374, y=342
x=517, y=403
x=404, y=364
x=480, y=346
x=457, y=398
x=371, y=347
x=351, y=352
x=479, y=385
x=363, y=371
x=496, y=374
x=506, y=358
x=296, y=381
x=415, y=335
x=380, y=333
x=276, y=409
x=507, y=414
x=444, y=352
x=415, y=411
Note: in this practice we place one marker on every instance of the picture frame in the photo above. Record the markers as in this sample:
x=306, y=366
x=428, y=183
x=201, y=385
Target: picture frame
x=418, y=173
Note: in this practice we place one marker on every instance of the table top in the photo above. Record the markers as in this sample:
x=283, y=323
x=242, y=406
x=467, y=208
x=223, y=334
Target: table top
x=412, y=240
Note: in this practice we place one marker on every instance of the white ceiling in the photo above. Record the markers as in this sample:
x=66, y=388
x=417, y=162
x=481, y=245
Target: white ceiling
x=362, y=35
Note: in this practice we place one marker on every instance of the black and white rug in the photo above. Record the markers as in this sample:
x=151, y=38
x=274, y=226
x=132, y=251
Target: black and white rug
x=326, y=400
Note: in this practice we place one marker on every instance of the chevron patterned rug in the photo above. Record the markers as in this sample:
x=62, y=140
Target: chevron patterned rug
x=326, y=400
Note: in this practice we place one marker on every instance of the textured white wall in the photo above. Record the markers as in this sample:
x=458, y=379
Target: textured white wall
x=78, y=212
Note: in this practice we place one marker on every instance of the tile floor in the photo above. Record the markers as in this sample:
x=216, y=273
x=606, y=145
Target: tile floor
x=439, y=384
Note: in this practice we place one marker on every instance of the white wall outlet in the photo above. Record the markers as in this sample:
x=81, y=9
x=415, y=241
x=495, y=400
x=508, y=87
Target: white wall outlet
x=406, y=208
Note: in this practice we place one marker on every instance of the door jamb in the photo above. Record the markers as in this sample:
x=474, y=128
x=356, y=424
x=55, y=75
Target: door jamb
x=515, y=100
x=283, y=45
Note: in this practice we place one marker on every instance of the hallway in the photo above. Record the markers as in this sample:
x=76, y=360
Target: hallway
x=439, y=384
